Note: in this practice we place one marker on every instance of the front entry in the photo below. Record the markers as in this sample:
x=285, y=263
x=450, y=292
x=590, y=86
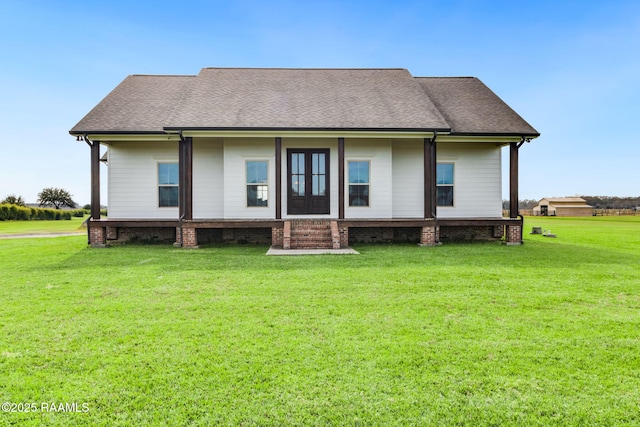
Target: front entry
x=308, y=181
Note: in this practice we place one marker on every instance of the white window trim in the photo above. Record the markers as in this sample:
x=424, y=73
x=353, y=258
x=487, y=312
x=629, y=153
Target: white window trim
x=368, y=160
x=158, y=185
x=447, y=185
x=247, y=184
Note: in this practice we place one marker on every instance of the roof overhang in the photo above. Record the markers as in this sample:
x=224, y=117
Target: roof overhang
x=174, y=135
x=107, y=137
x=499, y=140
x=307, y=133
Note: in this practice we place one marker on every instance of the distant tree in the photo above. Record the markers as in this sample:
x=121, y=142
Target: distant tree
x=522, y=204
x=12, y=199
x=87, y=207
x=56, y=197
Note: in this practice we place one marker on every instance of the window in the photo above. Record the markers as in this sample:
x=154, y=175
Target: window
x=257, y=183
x=167, y=185
x=359, y=183
x=444, y=184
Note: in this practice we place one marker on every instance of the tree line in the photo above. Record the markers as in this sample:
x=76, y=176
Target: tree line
x=48, y=197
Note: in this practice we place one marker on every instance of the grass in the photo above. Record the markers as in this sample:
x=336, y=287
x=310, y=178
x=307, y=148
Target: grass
x=466, y=334
x=42, y=227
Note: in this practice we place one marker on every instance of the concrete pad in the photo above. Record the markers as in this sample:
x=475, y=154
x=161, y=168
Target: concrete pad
x=283, y=252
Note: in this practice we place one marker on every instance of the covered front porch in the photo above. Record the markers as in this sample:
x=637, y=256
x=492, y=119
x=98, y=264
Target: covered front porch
x=337, y=228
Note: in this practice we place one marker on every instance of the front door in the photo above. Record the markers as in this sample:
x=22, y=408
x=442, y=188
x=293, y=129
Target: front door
x=308, y=181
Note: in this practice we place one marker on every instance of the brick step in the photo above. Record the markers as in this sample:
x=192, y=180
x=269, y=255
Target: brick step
x=311, y=233
x=312, y=246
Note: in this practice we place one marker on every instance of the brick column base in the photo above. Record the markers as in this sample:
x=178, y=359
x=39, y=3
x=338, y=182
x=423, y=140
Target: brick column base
x=286, y=235
x=276, y=237
x=344, y=235
x=96, y=236
x=429, y=235
x=512, y=237
x=335, y=235
x=187, y=238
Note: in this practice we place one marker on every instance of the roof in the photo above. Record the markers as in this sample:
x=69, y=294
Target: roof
x=306, y=98
x=564, y=200
x=320, y=99
x=470, y=107
x=140, y=104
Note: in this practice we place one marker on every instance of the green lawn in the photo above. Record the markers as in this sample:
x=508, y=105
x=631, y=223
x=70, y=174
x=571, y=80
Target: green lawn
x=42, y=227
x=547, y=333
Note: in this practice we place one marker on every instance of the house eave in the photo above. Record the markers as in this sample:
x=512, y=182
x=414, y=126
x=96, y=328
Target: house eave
x=308, y=132
x=497, y=138
x=108, y=136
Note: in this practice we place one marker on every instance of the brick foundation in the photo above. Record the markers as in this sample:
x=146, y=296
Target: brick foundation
x=383, y=234
x=470, y=233
x=302, y=234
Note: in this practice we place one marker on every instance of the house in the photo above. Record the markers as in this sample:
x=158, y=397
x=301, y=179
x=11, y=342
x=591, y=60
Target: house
x=303, y=158
x=563, y=206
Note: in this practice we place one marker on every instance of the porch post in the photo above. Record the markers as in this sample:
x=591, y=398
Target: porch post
x=185, y=172
x=95, y=179
x=340, y=178
x=513, y=180
x=278, y=178
x=430, y=178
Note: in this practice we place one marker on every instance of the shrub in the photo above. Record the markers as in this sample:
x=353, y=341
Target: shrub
x=10, y=212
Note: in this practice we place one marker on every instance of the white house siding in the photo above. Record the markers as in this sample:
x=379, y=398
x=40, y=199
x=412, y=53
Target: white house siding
x=408, y=178
x=378, y=152
x=236, y=152
x=307, y=143
x=133, y=179
x=477, y=180
x=208, y=178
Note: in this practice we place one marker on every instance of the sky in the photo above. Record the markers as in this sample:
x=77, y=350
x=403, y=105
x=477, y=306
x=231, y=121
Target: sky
x=570, y=68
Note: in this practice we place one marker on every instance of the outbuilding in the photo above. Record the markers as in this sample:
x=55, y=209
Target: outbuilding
x=563, y=206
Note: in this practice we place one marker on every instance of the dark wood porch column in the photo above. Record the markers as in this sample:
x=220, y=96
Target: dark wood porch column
x=95, y=179
x=185, y=170
x=340, y=178
x=278, y=178
x=513, y=180
x=430, y=178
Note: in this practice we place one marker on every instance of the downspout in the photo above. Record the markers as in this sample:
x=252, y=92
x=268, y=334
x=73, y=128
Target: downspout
x=89, y=230
x=521, y=228
x=181, y=232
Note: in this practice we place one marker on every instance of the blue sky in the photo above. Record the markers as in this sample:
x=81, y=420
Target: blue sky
x=570, y=68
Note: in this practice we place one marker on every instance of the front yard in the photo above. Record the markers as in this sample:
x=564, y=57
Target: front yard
x=463, y=334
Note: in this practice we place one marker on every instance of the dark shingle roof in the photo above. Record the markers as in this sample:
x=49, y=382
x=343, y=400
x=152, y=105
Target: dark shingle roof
x=258, y=98
x=306, y=98
x=470, y=107
x=139, y=104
